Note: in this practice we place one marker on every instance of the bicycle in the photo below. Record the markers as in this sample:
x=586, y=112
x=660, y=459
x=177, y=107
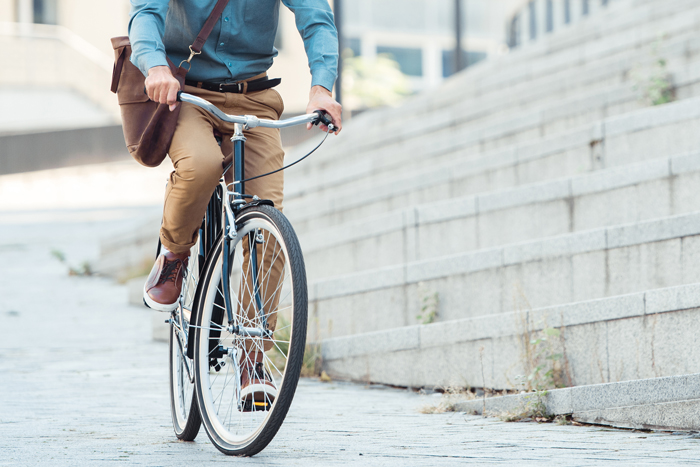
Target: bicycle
x=242, y=244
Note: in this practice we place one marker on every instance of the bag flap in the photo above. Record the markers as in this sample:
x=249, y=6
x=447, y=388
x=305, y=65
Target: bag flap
x=120, y=41
x=131, y=85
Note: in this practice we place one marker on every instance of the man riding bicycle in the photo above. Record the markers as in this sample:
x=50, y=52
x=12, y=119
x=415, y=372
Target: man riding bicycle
x=231, y=72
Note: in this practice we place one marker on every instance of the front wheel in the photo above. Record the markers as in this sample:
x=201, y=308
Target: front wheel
x=246, y=370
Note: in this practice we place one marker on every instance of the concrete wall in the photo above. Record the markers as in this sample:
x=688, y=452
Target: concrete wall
x=38, y=151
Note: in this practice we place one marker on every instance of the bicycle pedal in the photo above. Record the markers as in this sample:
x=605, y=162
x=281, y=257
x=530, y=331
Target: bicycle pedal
x=250, y=406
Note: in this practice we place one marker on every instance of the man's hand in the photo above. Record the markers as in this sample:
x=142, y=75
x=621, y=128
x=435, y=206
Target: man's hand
x=162, y=87
x=320, y=99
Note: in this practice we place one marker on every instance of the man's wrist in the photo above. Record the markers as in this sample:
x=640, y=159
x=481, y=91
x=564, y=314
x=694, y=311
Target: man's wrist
x=159, y=69
x=319, y=89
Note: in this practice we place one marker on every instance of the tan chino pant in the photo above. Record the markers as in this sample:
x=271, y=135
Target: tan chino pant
x=197, y=159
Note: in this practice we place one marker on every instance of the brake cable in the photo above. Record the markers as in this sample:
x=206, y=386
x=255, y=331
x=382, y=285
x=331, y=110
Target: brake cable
x=322, y=119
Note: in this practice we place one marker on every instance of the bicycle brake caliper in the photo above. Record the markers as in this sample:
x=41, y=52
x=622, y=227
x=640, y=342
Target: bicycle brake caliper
x=231, y=232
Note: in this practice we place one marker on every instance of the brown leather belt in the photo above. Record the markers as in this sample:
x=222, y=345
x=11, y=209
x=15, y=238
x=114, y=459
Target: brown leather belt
x=239, y=88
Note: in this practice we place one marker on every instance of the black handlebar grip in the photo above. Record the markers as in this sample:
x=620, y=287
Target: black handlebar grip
x=322, y=118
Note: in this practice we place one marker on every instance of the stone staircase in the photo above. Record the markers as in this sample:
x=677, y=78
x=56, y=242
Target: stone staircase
x=536, y=195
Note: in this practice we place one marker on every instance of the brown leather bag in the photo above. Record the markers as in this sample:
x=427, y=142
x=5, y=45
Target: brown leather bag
x=149, y=126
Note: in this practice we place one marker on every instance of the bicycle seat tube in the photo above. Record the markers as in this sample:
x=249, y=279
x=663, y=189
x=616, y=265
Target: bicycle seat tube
x=238, y=141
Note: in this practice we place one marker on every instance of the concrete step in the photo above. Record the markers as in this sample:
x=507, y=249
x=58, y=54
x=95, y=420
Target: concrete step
x=622, y=338
x=670, y=403
x=546, y=272
x=332, y=169
x=632, y=193
x=645, y=134
x=616, y=69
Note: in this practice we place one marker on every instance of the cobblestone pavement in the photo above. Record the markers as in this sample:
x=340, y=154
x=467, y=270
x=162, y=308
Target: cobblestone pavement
x=83, y=384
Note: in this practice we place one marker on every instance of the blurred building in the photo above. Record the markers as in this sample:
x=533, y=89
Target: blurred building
x=420, y=34
x=532, y=19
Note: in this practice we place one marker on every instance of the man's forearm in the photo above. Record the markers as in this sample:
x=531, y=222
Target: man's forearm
x=146, y=28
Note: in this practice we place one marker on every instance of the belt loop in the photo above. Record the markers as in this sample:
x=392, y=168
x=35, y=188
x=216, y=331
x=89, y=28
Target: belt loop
x=199, y=84
x=245, y=87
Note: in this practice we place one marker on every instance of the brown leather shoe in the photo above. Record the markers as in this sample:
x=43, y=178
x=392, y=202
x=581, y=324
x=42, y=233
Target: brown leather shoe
x=258, y=390
x=162, y=289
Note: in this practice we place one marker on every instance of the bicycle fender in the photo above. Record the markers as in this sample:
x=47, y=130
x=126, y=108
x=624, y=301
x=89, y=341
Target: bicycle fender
x=258, y=202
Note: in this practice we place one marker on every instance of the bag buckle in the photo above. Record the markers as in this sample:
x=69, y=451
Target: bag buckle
x=189, y=59
x=192, y=54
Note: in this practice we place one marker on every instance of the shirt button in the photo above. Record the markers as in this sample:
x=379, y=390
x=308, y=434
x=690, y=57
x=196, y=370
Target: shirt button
x=222, y=44
x=229, y=63
x=226, y=19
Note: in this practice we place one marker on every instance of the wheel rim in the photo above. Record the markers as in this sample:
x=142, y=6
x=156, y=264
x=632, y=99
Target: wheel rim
x=219, y=391
x=182, y=380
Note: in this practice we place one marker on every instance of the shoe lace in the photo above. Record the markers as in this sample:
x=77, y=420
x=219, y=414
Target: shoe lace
x=259, y=372
x=170, y=271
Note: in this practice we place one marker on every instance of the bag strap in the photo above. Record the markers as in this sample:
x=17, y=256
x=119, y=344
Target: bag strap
x=196, y=47
x=117, y=70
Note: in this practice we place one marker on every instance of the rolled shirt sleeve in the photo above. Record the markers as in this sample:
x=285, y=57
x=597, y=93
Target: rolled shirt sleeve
x=315, y=23
x=146, y=28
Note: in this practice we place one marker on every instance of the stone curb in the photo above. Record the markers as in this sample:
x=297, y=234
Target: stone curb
x=670, y=402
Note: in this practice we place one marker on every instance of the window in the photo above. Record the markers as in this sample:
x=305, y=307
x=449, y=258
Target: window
x=45, y=12
x=585, y=7
x=550, y=16
x=468, y=58
x=567, y=11
x=533, y=20
x=410, y=60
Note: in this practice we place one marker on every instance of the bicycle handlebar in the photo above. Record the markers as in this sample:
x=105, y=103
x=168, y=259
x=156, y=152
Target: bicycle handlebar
x=251, y=121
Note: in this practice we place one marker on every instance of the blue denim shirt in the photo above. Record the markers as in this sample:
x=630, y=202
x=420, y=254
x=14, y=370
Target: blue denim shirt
x=241, y=44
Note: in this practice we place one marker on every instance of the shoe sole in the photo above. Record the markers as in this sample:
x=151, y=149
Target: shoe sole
x=152, y=304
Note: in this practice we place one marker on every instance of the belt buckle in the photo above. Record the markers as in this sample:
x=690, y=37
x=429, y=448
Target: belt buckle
x=221, y=87
x=240, y=87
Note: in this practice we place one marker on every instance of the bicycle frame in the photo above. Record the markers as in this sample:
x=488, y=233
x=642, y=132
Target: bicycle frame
x=219, y=221
x=221, y=212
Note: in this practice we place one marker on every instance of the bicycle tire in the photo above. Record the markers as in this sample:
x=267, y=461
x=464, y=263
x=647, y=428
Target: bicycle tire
x=183, y=401
x=250, y=430
x=188, y=430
